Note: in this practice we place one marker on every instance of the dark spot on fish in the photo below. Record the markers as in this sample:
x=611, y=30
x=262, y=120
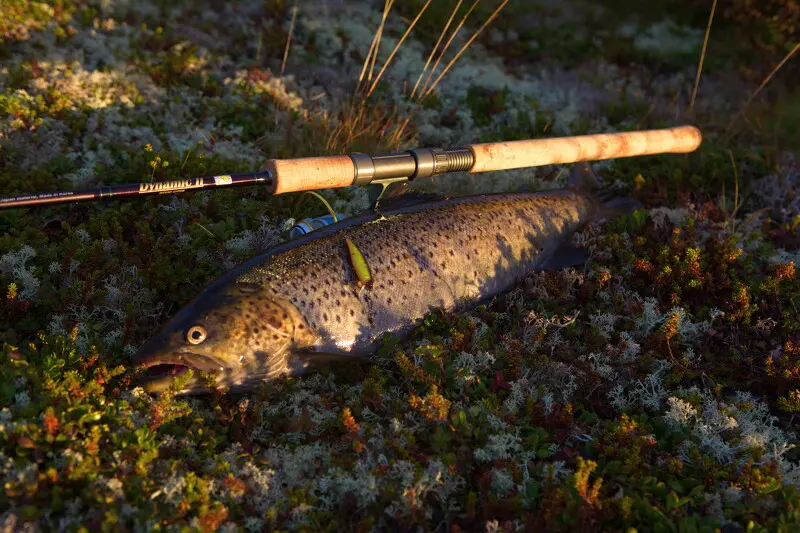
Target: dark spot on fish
x=388, y=301
x=381, y=286
x=352, y=313
x=311, y=304
x=313, y=288
x=338, y=302
x=301, y=326
x=326, y=295
x=275, y=337
x=390, y=282
x=305, y=291
x=443, y=265
x=256, y=331
x=325, y=317
x=452, y=253
x=339, y=319
x=285, y=315
x=430, y=254
x=410, y=274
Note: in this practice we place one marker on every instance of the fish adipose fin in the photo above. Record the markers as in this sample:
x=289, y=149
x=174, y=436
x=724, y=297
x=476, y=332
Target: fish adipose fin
x=582, y=178
x=612, y=203
x=567, y=255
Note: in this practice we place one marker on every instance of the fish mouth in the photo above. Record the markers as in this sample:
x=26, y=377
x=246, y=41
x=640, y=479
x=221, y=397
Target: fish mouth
x=160, y=371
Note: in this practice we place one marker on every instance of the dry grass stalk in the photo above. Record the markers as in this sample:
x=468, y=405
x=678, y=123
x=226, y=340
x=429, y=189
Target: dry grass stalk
x=365, y=128
x=288, y=39
x=375, y=45
x=702, y=55
x=397, y=47
x=463, y=49
x=761, y=87
x=446, y=46
x=436, y=47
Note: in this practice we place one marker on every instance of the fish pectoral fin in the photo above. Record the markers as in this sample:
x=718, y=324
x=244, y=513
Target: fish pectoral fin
x=325, y=358
x=566, y=255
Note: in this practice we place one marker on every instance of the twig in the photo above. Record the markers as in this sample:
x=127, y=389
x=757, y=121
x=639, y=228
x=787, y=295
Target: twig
x=735, y=194
x=763, y=84
x=289, y=39
x=205, y=228
x=702, y=55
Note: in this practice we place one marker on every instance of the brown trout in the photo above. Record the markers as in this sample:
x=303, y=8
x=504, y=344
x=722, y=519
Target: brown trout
x=303, y=302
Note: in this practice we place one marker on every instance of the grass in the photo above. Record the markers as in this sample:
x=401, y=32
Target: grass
x=656, y=389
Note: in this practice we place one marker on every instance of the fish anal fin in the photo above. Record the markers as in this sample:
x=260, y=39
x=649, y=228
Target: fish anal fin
x=326, y=358
x=566, y=255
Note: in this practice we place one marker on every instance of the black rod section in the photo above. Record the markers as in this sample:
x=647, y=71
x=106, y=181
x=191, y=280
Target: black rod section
x=137, y=189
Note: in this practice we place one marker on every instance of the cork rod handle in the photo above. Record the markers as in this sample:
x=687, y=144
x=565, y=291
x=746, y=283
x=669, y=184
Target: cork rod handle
x=538, y=152
x=312, y=173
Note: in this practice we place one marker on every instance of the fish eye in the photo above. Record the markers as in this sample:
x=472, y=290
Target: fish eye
x=196, y=334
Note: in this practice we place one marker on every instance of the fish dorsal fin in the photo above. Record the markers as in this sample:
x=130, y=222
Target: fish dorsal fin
x=582, y=178
x=397, y=196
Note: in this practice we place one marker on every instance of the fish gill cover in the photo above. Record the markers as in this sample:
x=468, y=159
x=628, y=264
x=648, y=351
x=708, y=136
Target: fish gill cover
x=653, y=389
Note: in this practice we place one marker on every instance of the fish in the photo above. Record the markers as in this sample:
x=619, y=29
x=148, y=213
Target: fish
x=304, y=302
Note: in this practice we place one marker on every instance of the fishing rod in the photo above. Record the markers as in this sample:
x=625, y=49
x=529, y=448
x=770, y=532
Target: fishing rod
x=310, y=173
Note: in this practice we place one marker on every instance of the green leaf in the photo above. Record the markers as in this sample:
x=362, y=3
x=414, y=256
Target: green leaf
x=89, y=418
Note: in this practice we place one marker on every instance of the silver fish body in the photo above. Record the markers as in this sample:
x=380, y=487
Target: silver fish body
x=266, y=316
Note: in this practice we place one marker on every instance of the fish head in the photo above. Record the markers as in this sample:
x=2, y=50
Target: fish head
x=231, y=336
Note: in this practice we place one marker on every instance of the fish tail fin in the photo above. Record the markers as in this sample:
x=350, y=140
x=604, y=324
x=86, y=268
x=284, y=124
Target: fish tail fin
x=619, y=205
x=612, y=203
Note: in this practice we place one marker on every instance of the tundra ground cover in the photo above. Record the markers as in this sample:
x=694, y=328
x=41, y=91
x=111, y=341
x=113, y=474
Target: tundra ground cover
x=654, y=389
